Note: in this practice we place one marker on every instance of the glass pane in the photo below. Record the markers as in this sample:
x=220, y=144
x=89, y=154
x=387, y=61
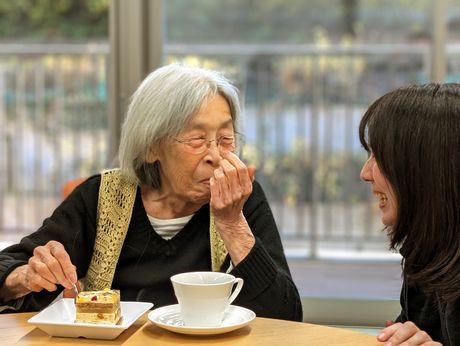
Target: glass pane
x=307, y=70
x=296, y=21
x=453, y=37
x=53, y=105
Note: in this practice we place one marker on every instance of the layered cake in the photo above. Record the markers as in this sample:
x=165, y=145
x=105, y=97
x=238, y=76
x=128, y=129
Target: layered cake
x=98, y=307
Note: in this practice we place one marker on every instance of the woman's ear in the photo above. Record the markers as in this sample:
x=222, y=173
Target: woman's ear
x=151, y=156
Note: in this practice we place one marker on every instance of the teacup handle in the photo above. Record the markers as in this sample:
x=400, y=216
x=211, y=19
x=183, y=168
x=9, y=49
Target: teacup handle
x=239, y=285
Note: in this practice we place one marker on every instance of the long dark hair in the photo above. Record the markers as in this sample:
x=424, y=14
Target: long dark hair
x=414, y=134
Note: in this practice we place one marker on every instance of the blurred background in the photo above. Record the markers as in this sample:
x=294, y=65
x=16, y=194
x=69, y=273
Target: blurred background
x=307, y=70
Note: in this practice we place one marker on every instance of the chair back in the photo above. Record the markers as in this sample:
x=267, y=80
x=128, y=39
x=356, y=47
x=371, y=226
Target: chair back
x=70, y=185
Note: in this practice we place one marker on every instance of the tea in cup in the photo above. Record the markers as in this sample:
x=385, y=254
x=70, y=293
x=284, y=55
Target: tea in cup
x=204, y=296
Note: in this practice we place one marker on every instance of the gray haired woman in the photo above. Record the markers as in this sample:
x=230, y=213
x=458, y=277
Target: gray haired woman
x=182, y=200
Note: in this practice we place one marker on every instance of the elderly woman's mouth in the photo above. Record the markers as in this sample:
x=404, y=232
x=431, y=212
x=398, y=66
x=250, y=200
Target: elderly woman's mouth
x=205, y=181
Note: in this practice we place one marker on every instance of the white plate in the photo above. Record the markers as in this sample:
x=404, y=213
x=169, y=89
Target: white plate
x=168, y=317
x=58, y=319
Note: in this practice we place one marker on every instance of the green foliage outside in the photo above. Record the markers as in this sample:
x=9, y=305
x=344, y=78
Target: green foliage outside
x=295, y=21
x=292, y=178
x=218, y=21
x=53, y=19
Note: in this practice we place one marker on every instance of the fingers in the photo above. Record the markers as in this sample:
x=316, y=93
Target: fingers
x=230, y=178
x=231, y=183
x=220, y=189
x=69, y=270
x=239, y=175
x=70, y=292
x=389, y=323
x=51, y=265
x=387, y=332
x=39, y=277
x=24, y=279
x=252, y=172
x=404, y=334
x=245, y=174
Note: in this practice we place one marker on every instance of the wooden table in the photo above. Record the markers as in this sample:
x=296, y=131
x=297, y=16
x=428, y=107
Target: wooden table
x=14, y=330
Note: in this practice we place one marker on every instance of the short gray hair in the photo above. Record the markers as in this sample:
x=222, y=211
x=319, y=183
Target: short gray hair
x=160, y=108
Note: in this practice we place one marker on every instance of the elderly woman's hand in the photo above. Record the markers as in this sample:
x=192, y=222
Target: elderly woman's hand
x=230, y=187
x=405, y=334
x=49, y=266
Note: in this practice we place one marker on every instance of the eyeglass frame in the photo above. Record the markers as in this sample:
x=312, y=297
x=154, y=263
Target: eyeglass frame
x=207, y=143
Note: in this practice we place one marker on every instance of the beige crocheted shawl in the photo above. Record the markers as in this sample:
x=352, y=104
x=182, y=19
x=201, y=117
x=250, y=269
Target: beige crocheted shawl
x=115, y=206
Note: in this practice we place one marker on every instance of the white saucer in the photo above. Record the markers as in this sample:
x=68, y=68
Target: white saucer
x=168, y=317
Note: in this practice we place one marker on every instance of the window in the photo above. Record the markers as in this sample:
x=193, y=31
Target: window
x=306, y=70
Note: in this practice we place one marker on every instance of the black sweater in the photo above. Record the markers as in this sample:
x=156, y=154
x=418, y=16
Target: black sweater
x=441, y=322
x=147, y=261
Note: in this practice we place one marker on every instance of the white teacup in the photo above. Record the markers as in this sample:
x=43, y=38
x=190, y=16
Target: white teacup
x=204, y=296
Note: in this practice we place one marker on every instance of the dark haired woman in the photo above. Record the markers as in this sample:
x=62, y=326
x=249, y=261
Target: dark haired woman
x=412, y=135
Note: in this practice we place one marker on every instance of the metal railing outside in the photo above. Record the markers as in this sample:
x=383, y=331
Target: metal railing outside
x=53, y=118
x=303, y=104
x=302, y=108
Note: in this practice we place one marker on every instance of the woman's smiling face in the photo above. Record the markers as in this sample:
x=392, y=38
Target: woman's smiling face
x=382, y=189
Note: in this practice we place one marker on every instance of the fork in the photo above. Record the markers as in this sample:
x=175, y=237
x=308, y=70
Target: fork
x=74, y=288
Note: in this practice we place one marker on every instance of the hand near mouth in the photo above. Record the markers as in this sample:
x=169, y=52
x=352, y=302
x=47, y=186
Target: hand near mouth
x=230, y=186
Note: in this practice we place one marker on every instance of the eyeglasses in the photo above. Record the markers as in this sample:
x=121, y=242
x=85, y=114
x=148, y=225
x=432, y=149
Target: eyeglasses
x=200, y=145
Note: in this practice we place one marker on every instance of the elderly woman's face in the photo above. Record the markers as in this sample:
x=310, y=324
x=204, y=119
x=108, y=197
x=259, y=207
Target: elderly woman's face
x=382, y=189
x=186, y=166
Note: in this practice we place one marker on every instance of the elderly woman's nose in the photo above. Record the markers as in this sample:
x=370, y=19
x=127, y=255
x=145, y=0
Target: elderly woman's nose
x=213, y=154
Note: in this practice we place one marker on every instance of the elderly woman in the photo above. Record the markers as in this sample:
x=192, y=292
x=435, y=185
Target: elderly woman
x=181, y=201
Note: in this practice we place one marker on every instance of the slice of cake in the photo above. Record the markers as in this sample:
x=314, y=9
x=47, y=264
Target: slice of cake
x=98, y=307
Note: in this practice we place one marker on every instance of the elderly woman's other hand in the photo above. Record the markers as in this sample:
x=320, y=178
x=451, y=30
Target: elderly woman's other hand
x=49, y=266
x=405, y=334
x=230, y=187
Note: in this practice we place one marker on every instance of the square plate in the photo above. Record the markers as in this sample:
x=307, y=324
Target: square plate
x=58, y=319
